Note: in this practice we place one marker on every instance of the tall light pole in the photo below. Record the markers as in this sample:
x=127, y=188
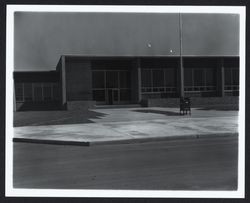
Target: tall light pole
x=181, y=70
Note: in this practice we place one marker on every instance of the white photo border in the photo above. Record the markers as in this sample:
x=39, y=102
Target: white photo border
x=13, y=192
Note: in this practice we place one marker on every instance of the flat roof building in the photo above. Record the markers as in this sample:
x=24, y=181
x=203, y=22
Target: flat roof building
x=147, y=59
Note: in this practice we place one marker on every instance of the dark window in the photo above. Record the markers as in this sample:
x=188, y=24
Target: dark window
x=111, y=86
x=228, y=80
x=198, y=77
x=210, y=77
x=28, y=91
x=124, y=79
x=115, y=95
x=188, y=79
x=19, y=91
x=158, y=78
x=146, y=78
x=47, y=92
x=170, y=77
x=38, y=91
x=55, y=92
x=231, y=79
x=235, y=76
x=112, y=79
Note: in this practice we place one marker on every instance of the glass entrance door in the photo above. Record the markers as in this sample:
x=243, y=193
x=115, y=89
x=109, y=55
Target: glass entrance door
x=111, y=86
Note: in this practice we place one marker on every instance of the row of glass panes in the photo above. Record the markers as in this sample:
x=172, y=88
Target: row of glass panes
x=231, y=77
x=156, y=78
x=187, y=89
x=110, y=79
x=231, y=87
x=158, y=89
x=199, y=88
x=121, y=94
x=28, y=92
x=199, y=77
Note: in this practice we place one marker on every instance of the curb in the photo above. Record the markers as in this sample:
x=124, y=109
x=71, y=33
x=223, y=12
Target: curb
x=125, y=141
x=158, y=139
x=55, y=142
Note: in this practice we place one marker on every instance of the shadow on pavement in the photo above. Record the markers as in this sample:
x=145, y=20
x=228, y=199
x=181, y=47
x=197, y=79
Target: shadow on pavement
x=37, y=118
x=167, y=113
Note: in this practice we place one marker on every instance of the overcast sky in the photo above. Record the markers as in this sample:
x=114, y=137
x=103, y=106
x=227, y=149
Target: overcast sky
x=41, y=38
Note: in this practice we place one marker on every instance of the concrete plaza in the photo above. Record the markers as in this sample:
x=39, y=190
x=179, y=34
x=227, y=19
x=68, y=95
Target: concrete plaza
x=118, y=125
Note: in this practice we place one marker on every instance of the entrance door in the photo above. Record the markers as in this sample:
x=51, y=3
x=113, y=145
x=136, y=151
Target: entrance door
x=111, y=86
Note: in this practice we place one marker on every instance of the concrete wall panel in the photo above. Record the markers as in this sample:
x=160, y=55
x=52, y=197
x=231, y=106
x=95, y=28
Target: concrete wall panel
x=78, y=80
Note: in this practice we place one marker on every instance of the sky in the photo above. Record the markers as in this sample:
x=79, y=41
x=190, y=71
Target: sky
x=40, y=38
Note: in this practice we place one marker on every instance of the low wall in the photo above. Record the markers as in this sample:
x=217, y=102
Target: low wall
x=38, y=106
x=195, y=101
x=75, y=105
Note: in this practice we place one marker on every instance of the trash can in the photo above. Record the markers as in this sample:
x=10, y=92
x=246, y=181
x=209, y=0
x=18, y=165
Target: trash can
x=185, y=106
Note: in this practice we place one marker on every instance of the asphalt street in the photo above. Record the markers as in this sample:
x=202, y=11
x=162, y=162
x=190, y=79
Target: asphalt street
x=189, y=164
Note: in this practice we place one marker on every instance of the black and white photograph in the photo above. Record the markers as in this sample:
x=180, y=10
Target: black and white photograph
x=125, y=101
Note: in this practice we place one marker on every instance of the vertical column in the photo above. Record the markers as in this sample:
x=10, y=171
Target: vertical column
x=51, y=91
x=181, y=78
x=221, y=78
x=32, y=89
x=63, y=81
x=181, y=70
x=14, y=96
x=135, y=76
x=42, y=87
x=139, y=78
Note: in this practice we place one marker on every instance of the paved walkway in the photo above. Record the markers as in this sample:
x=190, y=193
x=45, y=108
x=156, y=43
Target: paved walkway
x=134, y=125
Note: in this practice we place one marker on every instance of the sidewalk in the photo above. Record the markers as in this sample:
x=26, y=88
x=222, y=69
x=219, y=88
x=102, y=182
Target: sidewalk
x=134, y=125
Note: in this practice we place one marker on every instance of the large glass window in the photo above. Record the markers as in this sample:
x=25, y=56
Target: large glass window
x=235, y=76
x=47, y=92
x=231, y=79
x=27, y=91
x=112, y=79
x=188, y=76
x=36, y=92
x=228, y=76
x=170, y=77
x=19, y=92
x=55, y=90
x=199, y=79
x=158, y=80
x=210, y=77
x=111, y=86
x=124, y=78
x=146, y=78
